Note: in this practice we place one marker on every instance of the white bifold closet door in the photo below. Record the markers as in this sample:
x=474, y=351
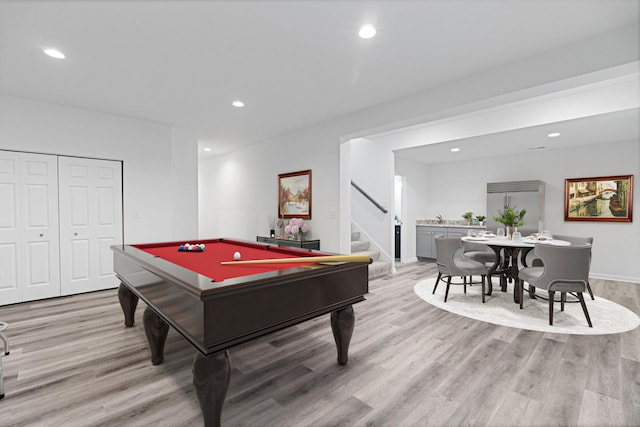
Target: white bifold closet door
x=29, y=245
x=90, y=222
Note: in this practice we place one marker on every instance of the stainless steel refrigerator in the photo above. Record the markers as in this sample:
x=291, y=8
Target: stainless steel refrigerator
x=519, y=195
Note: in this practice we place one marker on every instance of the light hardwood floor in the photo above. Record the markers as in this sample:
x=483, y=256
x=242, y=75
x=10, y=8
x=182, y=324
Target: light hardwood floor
x=73, y=363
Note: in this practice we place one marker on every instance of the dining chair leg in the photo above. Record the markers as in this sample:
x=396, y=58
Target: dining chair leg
x=584, y=308
x=437, y=281
x=464, y=280
x=482, y=277
x=551, y=297
x=590, y=291
x=563, y=298
x=446, y=293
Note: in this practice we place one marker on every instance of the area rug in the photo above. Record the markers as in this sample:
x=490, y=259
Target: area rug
x=607, y=317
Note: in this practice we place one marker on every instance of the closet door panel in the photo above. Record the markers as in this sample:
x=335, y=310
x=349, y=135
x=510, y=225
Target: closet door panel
x=8, y=206
x=28, y=227
x=39, y=272
x=80, y=268
x=8, y=264
x=105, y=256
x=40, y=240
x=10, y=289
x=90, y=216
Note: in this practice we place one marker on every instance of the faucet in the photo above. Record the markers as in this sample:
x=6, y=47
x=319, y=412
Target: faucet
x=440, y=220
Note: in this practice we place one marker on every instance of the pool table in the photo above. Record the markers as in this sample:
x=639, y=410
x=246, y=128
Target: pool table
x=215, y=306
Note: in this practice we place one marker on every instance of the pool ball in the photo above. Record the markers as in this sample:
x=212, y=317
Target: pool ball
x=236, y=256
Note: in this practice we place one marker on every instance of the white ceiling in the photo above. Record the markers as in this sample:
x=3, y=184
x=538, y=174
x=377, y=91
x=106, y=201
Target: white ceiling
x=619, y=126
x=294, y=64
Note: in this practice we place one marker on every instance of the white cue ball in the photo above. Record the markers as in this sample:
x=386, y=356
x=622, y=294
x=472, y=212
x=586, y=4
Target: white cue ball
x=236, y=256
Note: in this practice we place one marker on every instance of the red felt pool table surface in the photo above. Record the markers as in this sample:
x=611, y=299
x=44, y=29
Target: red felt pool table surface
x=208, y=262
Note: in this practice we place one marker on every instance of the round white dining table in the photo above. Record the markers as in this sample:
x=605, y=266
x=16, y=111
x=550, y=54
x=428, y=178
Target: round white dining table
x=507, y=251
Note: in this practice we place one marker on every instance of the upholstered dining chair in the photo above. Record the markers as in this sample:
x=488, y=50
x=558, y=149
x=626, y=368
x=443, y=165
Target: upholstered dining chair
x=3, y=326
x=452, y=262
x=478, y=252
x=574, y=240
x=564, y=269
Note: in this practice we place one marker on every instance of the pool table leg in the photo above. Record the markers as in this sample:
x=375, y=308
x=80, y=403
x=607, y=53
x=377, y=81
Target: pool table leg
x=128, y=302
x=211, y=381
x=342, y=322
x=156, y=331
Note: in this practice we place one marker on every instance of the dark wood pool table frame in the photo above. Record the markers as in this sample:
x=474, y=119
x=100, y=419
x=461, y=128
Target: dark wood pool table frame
x=215, y=316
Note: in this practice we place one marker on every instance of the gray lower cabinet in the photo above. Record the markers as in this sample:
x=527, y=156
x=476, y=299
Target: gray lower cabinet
x=425, y=245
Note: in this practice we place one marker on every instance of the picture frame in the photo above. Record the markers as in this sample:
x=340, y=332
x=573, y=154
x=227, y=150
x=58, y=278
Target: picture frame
x=294, y=195
x=604, y=198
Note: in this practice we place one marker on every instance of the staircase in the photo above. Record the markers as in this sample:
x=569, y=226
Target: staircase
x=378, y=267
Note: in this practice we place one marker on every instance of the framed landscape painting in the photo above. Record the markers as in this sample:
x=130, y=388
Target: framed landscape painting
x=294, y=195
x=607, y=198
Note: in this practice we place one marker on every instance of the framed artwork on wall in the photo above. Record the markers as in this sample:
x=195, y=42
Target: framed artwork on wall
x=606, y=198
x=294, y=195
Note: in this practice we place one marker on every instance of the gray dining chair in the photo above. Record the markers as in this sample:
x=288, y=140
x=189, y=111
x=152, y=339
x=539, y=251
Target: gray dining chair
x=564, y=269
x=574, y=240
x=478, y=252
x=452, y=262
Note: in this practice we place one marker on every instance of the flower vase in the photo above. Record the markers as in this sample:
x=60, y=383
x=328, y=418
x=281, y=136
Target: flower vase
x=510, y=231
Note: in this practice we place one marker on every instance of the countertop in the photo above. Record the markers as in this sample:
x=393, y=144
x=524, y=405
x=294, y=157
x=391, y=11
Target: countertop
x=446, y=224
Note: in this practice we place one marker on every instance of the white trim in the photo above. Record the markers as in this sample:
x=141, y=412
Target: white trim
x=615, y=278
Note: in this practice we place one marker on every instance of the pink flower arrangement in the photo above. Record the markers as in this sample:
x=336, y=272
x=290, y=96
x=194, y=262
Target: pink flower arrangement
x=296, y=226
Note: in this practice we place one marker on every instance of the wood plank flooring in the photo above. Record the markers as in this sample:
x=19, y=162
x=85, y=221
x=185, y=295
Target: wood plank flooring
x=73, y=363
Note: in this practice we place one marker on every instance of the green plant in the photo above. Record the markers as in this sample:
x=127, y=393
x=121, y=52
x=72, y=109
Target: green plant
x=481, y=217
x=510, y=217
x=467, y=216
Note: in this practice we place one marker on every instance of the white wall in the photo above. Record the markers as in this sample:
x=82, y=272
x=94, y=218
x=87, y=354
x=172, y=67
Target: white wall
x=155, y=170
x=454, y=188
x=416, y=203
x=184, y=188
x=238, y=191
x=371, y=169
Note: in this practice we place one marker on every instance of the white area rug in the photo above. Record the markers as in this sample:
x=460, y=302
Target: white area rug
x=607, y=317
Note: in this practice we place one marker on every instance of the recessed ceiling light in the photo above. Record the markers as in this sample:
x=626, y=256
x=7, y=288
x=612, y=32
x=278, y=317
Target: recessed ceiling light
x=206, y=149
x=238, y=104
x=455, y=150
x=54, y=53
x=553, y=134
x=367, y=31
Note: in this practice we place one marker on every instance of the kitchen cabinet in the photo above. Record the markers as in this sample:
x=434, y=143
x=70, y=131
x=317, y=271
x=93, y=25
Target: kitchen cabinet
x=425, y=244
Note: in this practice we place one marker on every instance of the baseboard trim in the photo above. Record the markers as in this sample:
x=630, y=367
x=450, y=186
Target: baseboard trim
x=616, y=278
